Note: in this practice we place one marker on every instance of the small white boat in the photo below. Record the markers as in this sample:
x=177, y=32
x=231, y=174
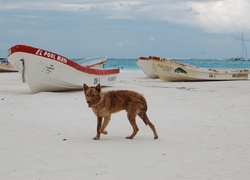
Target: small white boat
x=170, y=70
x=147, y=67
x=93, y=62
x=47, y=71
x=5, y=66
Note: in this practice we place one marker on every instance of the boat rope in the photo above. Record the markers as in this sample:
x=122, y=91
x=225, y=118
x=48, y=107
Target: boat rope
x=23, y=71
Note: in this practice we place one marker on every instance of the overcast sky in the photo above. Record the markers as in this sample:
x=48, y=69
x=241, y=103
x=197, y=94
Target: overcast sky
x=127, y=29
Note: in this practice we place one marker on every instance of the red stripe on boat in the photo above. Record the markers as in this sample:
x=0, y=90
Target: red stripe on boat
x=56, y=57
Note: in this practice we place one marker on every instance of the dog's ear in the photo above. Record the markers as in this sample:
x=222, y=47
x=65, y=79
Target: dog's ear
x=98, y=88
x=85, y=87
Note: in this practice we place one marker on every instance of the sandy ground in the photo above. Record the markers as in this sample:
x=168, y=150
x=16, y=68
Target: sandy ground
x=203, y=127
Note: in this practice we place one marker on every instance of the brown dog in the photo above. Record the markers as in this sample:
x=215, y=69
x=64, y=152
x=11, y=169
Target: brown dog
x=105, y=103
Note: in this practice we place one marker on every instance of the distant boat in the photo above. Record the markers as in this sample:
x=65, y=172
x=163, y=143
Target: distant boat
x=147, y=67
x=93, y=62
x=244, y=56
x=47, y=71
x=5, y=66
x=171, y=70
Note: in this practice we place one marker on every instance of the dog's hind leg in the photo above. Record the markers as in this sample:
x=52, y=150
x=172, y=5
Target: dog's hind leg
x=131, y=118
x=99, y=124
x=144, y=117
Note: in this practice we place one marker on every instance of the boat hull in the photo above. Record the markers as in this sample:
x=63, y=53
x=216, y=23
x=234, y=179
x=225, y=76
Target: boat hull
x=7, y=68
x=147, y=67
x=53, y=72
x=170, y=70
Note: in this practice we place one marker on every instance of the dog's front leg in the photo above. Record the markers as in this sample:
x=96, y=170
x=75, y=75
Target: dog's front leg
x=99, y=124
x=104, y=125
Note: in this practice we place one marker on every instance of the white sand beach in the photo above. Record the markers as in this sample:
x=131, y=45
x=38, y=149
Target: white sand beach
x=203, y=127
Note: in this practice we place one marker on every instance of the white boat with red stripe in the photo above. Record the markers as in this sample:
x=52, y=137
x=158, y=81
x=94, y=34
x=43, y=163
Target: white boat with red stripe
x=47, y=71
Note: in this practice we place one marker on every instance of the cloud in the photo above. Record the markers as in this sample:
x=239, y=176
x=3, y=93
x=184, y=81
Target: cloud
x=221, y=16
x=150, y=38
x=210, y=15
x=224, y=16
x=81, y=5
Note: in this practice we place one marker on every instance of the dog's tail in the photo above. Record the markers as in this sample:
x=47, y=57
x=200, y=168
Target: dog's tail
x=145, y=122
x=143, y=109
x=144, y=117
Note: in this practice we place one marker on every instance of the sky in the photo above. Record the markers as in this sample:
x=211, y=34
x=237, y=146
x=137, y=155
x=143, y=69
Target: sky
x=127, y=29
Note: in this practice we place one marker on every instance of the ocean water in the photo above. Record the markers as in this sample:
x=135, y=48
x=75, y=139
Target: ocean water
x=130, y=64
